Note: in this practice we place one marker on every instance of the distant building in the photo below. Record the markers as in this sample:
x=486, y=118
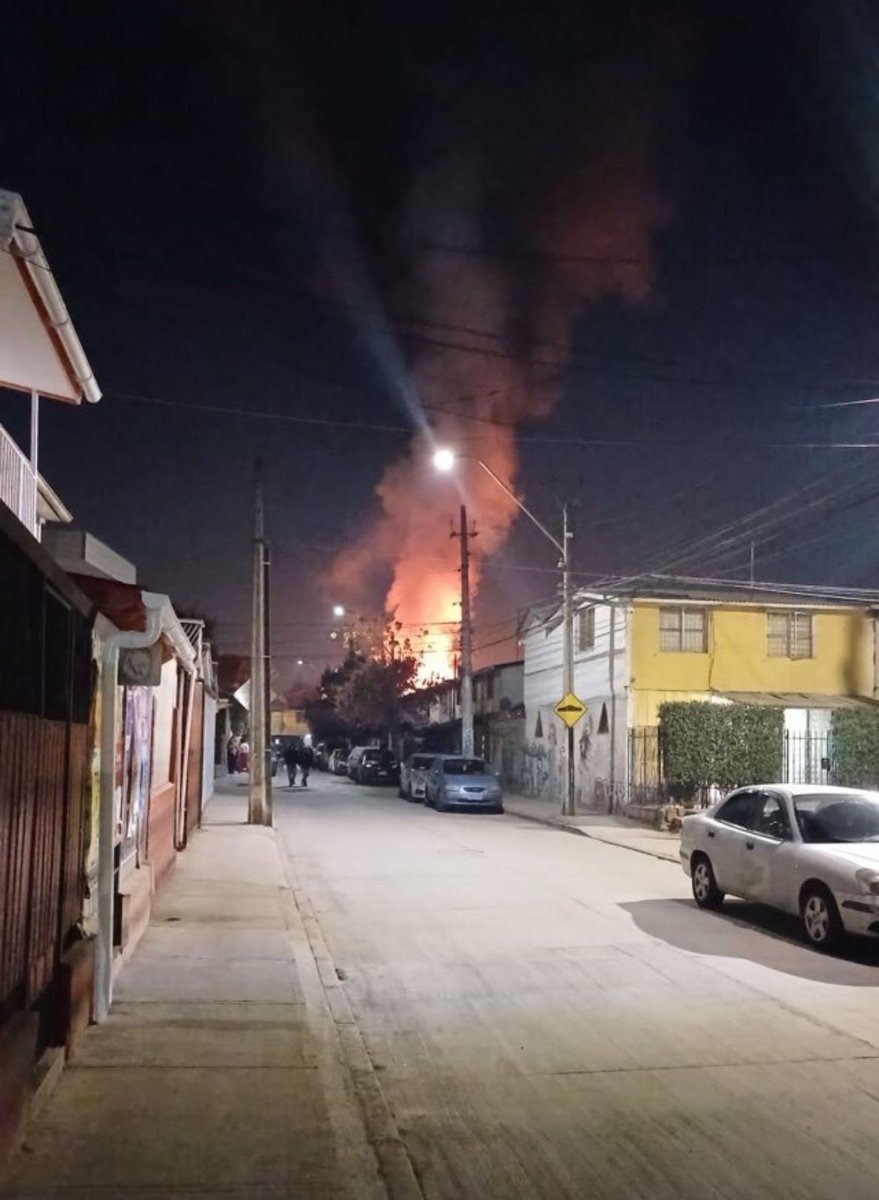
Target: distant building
x=434, y=717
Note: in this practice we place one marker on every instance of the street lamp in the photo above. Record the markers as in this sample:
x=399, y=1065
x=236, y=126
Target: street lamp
x=338, y=610
x=444, y=459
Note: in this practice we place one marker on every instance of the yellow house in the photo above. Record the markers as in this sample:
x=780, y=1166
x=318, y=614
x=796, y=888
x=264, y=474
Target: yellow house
x=650, y=641
x=694, y=648
x=289, y=722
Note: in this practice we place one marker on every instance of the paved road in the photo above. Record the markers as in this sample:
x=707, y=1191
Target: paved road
x=547, y=1016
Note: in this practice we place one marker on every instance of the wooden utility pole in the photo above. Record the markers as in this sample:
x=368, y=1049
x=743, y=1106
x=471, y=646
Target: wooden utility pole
x=259, y=810
x=466, y=638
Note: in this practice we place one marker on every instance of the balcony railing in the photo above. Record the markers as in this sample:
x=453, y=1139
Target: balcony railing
x=18, y=482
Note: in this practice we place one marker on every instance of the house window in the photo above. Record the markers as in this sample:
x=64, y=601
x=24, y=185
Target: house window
x=489, y=687
x=789, y=635
x=683, y=630
x=585, y=629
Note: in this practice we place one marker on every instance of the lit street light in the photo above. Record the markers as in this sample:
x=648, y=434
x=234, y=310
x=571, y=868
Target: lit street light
x=338, y=610
x=444, y=459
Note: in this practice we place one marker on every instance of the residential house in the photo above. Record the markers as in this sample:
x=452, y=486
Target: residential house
x=805, y=650
x=48, y=789
x=40, y=355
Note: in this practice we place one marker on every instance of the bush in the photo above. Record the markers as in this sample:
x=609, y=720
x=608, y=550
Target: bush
x=855, y=746
x=727, y=745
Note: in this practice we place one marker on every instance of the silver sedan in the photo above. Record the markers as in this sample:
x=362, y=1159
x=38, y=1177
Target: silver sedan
x=457, y=782
x=808, y=850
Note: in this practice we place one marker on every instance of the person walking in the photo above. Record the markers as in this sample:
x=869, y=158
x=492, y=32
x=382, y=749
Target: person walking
x=243, y=763
x=306, y=762
x=290, y=764
x=232, y=754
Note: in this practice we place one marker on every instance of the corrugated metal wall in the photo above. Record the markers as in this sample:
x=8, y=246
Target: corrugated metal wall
x=45, y=696
x=42, y=820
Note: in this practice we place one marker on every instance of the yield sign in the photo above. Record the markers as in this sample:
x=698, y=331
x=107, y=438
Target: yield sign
x=570, y=709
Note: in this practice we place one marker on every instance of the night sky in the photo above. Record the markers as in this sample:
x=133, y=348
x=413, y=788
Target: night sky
x=282, y=230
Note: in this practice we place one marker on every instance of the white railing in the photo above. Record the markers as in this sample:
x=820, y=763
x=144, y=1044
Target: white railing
x=18, y=482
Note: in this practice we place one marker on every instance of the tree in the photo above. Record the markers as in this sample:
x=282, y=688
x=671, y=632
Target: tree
x=370, y=698
x=361, y=698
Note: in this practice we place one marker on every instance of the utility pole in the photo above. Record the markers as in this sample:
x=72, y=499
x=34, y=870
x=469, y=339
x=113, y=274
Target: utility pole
x=259, y=799
x=267, y=676
x=466, y=639
x=568, y=655
x=752, y=564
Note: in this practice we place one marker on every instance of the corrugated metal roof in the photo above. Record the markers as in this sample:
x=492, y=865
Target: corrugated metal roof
x=797, y=699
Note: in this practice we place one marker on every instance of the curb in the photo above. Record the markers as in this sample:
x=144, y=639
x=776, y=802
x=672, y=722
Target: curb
x=580, y=831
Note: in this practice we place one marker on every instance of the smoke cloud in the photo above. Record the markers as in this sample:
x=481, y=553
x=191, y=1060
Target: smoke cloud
x=549, y=200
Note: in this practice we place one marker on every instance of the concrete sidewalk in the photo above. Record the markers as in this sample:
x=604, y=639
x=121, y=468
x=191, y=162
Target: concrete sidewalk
x=222, y=1069
x=615, y=831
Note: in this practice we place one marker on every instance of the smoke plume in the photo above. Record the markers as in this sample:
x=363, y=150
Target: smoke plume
x=549, y=199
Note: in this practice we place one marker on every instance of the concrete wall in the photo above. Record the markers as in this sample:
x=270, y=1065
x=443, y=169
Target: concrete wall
x=209, y=748
x=165, y=700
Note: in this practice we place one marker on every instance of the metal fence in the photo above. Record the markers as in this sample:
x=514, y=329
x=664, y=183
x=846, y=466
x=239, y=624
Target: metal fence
x=806, y=757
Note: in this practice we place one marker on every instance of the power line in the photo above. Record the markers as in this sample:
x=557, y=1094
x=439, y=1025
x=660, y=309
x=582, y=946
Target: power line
x=540, y=439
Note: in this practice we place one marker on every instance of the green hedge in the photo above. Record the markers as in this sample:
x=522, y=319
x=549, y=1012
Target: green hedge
x=728, y=745
x=855, y=746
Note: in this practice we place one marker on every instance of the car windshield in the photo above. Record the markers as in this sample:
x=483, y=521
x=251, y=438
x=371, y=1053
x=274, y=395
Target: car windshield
x=421, y=761
x=466, y=766
x=838, y=817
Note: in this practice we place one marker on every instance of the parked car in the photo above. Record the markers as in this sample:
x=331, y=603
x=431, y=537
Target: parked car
x=454, y=781
x=808, y=850
x=338, y=762
x=354, y=758
x=377, y=766
x=413, y=775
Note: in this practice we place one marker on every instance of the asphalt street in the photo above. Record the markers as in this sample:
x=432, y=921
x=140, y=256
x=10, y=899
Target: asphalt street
x=543, y=1015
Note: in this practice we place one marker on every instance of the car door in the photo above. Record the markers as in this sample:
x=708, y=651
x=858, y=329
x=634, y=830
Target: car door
x=768, y=850
x=729, y=830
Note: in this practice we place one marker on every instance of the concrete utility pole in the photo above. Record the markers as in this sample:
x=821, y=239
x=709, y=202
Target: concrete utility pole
x=568, y=655
x=466, y=639
x=444, y=460
x=267, y=676
x=259, y=799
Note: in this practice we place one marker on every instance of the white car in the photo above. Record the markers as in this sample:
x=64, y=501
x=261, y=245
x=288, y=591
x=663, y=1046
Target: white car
x=808, y=850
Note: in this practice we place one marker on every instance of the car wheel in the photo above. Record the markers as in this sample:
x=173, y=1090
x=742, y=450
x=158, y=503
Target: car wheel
x=706, y=893
x=820, y=916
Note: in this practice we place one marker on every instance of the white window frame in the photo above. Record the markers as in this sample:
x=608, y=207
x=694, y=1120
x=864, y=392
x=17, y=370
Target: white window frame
x=797, y=638
x=586, y=629
x=673, y=621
